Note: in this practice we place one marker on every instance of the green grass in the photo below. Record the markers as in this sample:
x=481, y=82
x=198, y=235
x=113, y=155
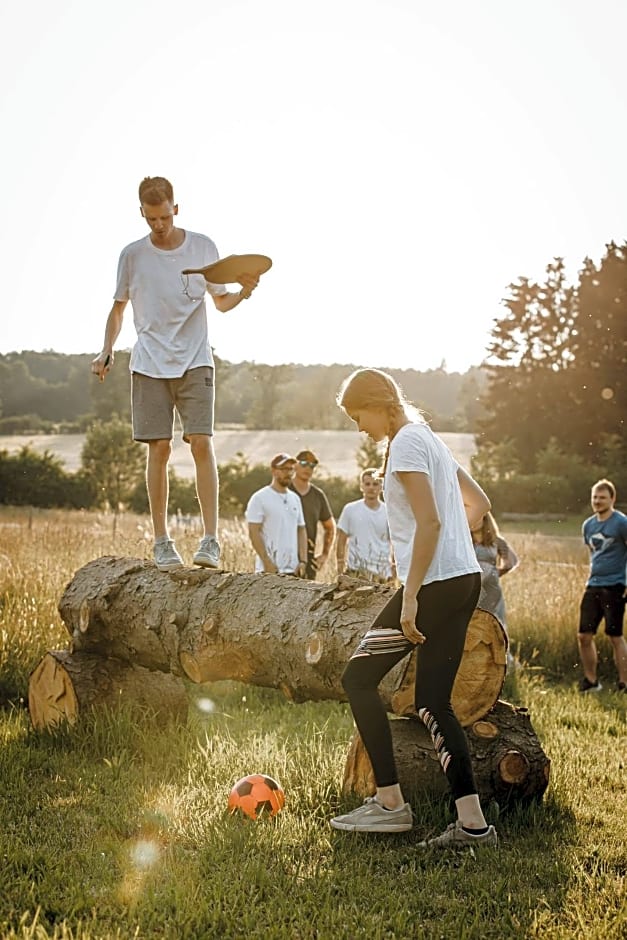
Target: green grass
x=118, y=828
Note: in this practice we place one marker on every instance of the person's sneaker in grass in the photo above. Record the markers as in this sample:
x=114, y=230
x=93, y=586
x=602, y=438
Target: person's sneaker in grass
x=166, y=556
x=208, y=554
x=586, y=686
x=372, y=817
x=455, y=837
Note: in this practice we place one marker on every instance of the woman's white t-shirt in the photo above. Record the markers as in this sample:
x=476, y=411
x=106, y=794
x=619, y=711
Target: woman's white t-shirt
x=415, y=448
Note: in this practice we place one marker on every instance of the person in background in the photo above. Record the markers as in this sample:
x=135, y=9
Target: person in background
x=316, y=510
x=431, y=501
x=171, y=364
x=276, y=525
x=496, y=558
x=363, y=533
x=605, y=534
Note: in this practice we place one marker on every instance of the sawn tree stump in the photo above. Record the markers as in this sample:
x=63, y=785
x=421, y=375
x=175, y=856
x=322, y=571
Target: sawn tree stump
x=65, y=684
x=509, y=763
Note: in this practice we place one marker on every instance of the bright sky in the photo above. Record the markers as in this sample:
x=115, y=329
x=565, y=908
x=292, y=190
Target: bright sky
x=401, y=161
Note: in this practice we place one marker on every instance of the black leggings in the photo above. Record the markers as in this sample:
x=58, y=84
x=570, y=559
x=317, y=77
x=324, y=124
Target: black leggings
x=444, y=610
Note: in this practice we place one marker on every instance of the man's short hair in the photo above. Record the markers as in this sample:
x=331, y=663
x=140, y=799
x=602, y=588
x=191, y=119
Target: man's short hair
x=307, y=455
x=369, y=472
x=606, y=485
x=281, y=460
x=153, y=190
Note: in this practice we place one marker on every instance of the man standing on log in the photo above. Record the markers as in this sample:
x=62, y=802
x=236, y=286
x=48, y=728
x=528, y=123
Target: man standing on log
x=276, y=524
x=605, y=534
x=172, y=365
x=430, y=501
x=315, y=509
x=363, y=529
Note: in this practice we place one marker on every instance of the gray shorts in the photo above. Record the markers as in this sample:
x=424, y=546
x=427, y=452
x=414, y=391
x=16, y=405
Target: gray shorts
x=153, y=402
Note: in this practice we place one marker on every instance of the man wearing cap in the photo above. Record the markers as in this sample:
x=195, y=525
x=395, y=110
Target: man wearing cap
x=316, y=509
x=276, y=524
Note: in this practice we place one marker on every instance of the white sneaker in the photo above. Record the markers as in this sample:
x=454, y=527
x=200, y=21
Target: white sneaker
x=208, y=554
x=166, y=556
x=454, y=837
x=372, y=817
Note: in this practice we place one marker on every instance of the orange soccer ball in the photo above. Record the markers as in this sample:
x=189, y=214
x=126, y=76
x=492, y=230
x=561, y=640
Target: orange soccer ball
x=256, y=795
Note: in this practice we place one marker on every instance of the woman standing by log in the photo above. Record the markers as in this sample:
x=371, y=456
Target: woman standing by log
x=496, y=558
x=431, y=502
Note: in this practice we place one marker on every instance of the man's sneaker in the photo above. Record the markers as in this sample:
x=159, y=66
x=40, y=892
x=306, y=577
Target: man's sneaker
x=372, y=817
x=208, y=554
x=621, y=686
x=586, y=686
x=454, y=837
x=166, y=556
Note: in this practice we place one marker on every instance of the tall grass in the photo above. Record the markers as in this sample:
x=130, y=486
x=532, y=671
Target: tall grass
x=118, y=828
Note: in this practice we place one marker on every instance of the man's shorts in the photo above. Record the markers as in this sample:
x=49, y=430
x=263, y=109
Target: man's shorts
x=153, y=402
x=603, y=602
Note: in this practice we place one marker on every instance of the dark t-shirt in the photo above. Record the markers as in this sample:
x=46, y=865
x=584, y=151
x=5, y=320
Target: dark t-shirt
x=315, y=509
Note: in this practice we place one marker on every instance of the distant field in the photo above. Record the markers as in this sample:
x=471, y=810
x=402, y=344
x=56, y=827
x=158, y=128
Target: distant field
x=336, y=449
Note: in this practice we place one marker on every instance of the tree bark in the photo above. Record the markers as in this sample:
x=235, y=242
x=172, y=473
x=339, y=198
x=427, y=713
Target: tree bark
x=65, y=685
x=268, y=630
x=509, y=763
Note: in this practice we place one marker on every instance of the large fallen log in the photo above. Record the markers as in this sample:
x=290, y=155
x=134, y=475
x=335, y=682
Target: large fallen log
x=267, y=630
x=124, y=615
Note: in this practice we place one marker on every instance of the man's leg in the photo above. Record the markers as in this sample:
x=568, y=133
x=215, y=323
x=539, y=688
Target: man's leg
x=588, y=654
x=206, y=481
x=619, y=647
x=157, y=485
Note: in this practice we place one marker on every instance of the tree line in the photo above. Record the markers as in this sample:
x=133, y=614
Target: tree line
x=50, y=391
x=548, y=406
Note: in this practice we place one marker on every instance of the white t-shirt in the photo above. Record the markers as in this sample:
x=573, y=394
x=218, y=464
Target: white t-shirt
x=169, y=309
x=280, y=515
x=369, y=538
x=416, y=448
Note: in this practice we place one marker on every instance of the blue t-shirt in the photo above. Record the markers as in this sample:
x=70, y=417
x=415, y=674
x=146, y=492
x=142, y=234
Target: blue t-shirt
x=607, y=541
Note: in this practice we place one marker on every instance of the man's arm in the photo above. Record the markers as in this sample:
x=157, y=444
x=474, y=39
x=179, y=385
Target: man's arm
x=102, y=363
x=329, y=538
x=256, y=539
x=302, y=548
x=226, y=302
x=340, y=551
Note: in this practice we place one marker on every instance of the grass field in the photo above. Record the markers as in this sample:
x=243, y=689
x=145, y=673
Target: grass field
x=118, y=829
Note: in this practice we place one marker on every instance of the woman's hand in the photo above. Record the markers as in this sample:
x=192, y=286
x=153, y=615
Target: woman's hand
x=409, y=612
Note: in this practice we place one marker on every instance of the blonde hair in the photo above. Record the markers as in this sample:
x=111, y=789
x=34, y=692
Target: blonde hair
x=489, y=530
x=372, y=388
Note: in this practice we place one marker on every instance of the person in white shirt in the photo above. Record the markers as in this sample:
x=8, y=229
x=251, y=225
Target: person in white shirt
x=363, y=548
x=172, y=365
x=431, y=501
x=276, y=524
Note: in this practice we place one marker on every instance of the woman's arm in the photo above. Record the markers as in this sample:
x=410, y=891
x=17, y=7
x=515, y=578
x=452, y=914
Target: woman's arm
x=420, y=496
x=476, y=503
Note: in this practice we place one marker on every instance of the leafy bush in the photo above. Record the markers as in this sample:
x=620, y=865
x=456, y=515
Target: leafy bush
x=31, y=479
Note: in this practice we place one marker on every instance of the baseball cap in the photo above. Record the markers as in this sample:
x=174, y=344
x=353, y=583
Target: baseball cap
x=281, y=459
x=307, y=455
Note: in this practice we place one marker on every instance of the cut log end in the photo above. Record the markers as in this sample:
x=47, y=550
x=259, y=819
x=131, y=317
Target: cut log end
x=513, y=767
x=51, y=697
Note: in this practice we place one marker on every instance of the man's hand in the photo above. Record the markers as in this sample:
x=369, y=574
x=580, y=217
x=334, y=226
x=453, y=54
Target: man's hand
x=249, y=282
x=409, y=612
x=320, y=561
x=301, y=570
x=102, y=364
x=269, y=567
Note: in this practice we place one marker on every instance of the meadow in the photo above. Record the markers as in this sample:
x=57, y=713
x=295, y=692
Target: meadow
x=118, y=828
